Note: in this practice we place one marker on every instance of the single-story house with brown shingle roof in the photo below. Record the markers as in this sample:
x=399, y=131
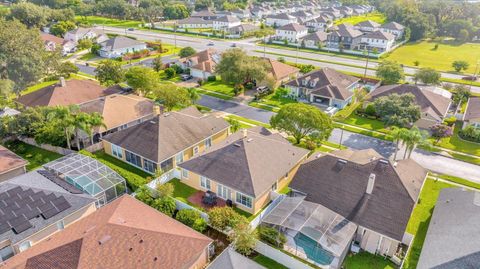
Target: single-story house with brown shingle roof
x=11, y=165
x=201, y=64
x=166, y=140
x=245, y=168
x=434, y=103
x=472, y=113
x=119, y=111
x=279, y=72
x=123, y=234
x=67, y=92
x=324, y=87
x=368, y=190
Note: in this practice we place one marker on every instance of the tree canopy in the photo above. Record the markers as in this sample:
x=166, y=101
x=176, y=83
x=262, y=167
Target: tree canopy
x=390, y=72
x=300, y=120
x=142, y=79
x=237, y=67
x=428, y=76
x=187, y=51
x=171, y=96
x=176, y=12
x=399, y=110
x=109, y=72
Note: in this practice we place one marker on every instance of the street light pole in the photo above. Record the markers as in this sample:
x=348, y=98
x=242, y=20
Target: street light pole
x=296, y=55
x=341, y=137
x=474, y=74
x=366, y=64
x=175, y=36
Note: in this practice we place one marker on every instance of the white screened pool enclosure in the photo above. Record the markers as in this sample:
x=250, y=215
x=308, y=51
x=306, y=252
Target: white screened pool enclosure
x=90, y=176
x=314, y=232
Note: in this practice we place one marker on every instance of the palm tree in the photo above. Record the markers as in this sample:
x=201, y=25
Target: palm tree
x=64, y=115
x=95, y=120
x=81, y=122
x=415, y=138
x=193, y=94
x=398, y=134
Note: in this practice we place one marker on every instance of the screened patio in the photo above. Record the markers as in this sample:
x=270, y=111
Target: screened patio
x=314, y=232
x=90, y=176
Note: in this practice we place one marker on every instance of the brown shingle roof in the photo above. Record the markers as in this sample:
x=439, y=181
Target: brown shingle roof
x=317, y=36
x=48, y=37
x=280, y=70
x=250, y=164
x=9, y=160
x=330, y=83
x=205, y=60
x=123, y=234
x=341, y=187
x=119, y=109
x=473, y=109
x=429, y=102
x=293, y=27
x=168, y=134
x=74, y=93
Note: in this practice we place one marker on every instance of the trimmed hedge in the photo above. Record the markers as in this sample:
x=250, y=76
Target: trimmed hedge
x=134, y=176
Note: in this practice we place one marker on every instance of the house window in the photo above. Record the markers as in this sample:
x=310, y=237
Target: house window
x=24, y=246
x=184, y=173
x=117, y=151
x=6, y=253
x=124, y=126
x=195, y=150
x=133, y=159
x=167, y=165
x=208, y=142
x=205, y=183
x=244, y=200
x=60, y=225
x=224, y=192
x=179, y=158
x=149, y=166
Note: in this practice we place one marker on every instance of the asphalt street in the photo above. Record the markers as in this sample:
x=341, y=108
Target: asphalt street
x=430, y=161
x=250, y=45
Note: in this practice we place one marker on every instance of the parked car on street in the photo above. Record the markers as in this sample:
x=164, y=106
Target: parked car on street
x=185, y=77
x=210, y=43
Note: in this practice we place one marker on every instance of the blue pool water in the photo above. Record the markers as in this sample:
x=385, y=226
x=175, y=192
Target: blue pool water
x=313, y=250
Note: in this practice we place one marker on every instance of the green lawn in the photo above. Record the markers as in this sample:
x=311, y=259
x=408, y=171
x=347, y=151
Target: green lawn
x=374, y=16
x=441, y=58
x=272, y=102
x=365, y=260
x=219, y=87
x=214, y=94
x=371, y=124
x=108, y=22
x=420, y=219
x=458, y=180
x=253, y=122
x=88, y=56
x=456, y=143
x=182, y=191
x=38, y=86
x=35, y=156
x=268, y=263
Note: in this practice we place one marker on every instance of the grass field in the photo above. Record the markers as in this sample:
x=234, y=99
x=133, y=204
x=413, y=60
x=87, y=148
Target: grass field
x=366, y=260
x=370, y=124
x=253, y=122
x=441, y=59
x=420, y=219
x=374, y=16
x=219, y=87
x=108, y=22
x=35, y=156
x=456, y=143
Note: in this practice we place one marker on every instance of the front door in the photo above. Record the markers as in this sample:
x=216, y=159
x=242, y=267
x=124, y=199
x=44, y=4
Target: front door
x=224, y=192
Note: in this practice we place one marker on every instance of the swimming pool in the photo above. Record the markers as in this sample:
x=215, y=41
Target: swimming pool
x=313, y=250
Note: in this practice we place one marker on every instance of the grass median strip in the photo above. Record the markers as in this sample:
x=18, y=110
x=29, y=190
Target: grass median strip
x=249, y=121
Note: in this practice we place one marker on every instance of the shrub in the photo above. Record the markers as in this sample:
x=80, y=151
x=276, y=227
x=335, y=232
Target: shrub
x=165, y=189
x=238, y=89
x=416, y=63
x=170, y=72
x=281, y=92
x=222, y=218
x=249, y=85
x=178, y=69
x=187, y=51
x=212, y=78
x=450, y=121
x=470, y=133
x=200, y=225
x=200, y=82
x=244, y=239
x=310, y=144
x=166, y=205
x=145, y=195
x=192, y=218
x=370, y=110
x=272, y=236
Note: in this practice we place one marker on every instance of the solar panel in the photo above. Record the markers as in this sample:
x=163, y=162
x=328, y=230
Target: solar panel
x=22, y=227
x=17, y=221
x=14, y=191
x=4, y=227
x=45, y=207
x=50, y=213
x=63, y=206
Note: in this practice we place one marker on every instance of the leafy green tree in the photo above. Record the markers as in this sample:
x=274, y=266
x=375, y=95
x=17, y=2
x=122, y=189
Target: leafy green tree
x=157, y=63
x=23, y=58
x=171, y=96
x=64, y=115
x=60, y=28
x=6, y=87
x=109, y=72
x=427, y=76
x=237, y=67
x=142, y=79
x=95, y=120
x=222, y=218
x=170, y=72
x=300, y=120
x=33, y=16
x=86, y=43
x=144, y=194
x=66, y=69
x=165, y=189
x=165, y=204
x=390, y=72
x=461, y=95
x=243, y=238
x=95, y=48
x=440, y=131
x=460, y=65
x=194, y=95
x=234, y=125
x=398, y=135
x=176, y=12
x=187, y=51
x=415, y=137
x=398, y=110
x=188, y=216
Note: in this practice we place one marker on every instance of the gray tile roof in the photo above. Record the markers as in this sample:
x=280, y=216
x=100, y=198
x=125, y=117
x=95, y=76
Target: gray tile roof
x=249, y=162
x=379, y=35
x=341, y=186
x=317, y=36
x=368, y=23
x=230, y=259
x=293, y=27
x=453, y=236
x=473, y=109
x=346, y=30
x=119, y=42
x=227, y=18
x=167, y=134
x=194, y=20
x=393, y=26
x=281, y=16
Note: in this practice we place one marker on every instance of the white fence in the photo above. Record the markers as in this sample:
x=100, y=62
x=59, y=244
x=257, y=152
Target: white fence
x=280, y=257
x=164, y=178
x=276, y=198
x=95, y=147
x=58, y=150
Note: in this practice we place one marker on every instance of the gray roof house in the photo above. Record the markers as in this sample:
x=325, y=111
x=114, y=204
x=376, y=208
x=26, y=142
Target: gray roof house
x=230, y=259
x=315, y=39
x=453, y=236
x=344, y=35
x=367, y=26
x=366, y=189
x=326, y=87
x=394, y=28
x=119, y=45
x=472, y=113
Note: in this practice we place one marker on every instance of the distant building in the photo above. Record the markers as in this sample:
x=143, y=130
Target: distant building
x=394, y=28
x=225, y=22
x=280, y=20
x=194, y=23
x=82, y=33
x=471, y=117
x=378, y=40
x=292, y=32
x=119, y=45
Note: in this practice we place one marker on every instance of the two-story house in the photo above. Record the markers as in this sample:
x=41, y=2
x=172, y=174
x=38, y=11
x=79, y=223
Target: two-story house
x=166, y=140
x=292, y=32
x=394, y=28
x=280, y=20
x=378, y=40
x=326, y=87
x=368, y=26
x=321, y=23
x=225, y=22
x=201, y=64
x=344, y=36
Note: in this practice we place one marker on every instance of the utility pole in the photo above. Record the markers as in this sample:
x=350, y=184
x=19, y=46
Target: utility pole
x=264, y=46
x=341, y=136
x=366, y=64
x=175, y=36
x=296, y=55
x=474, y=74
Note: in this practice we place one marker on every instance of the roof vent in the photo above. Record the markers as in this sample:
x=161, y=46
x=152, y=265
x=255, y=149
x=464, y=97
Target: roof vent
x=63, y=83
x=318, y=155
x=383, y=161
x=250, y=140
x=237, y=145
x=166, y=114
x=371, y=183
x=152, y=122
x=104, y=239
x=395, y=164
x=342, y=161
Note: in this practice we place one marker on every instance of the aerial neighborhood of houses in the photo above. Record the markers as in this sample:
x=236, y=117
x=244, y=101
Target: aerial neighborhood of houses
x=239, y=134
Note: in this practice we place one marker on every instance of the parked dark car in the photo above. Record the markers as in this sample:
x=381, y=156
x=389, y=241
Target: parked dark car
x=470, y=78
x=131, y=29
x=185, y=77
